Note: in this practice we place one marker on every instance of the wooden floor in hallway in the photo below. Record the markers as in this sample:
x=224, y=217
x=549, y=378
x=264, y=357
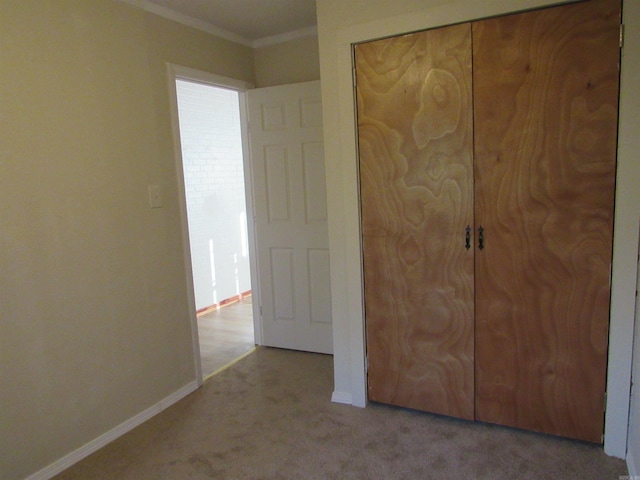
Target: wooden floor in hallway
x=225, y=334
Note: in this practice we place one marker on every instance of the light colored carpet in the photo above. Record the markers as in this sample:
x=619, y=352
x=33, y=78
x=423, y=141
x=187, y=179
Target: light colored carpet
x=269, y=416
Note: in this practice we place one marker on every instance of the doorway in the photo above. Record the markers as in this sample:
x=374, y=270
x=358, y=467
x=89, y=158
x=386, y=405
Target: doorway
x=209, y=120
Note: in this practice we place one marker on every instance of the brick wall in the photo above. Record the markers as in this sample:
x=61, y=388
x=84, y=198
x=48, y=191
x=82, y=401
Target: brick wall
x=214, y=180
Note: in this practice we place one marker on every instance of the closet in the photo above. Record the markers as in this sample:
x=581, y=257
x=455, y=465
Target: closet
x=487, y=156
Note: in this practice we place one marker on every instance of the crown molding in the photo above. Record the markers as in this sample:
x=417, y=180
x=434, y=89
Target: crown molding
x=189, y=21
x=205, y=26
x=285, y=37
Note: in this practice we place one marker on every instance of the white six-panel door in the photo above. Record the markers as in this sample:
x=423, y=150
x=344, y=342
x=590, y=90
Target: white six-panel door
x=292, y=244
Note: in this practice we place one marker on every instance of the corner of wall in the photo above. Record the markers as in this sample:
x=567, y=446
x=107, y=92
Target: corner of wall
x=74, y=457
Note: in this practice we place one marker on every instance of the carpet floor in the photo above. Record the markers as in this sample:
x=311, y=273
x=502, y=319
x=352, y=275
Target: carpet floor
x=269, y=416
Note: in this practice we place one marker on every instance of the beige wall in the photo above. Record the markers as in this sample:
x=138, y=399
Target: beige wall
x=342, y=23
x=94, y=322
x=288, y=62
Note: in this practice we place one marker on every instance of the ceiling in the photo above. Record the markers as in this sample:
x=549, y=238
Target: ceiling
x=250, y=22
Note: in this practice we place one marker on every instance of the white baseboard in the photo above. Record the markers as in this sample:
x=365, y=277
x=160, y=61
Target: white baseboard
x=342, y=397
x=632, y=466
x=86, y=450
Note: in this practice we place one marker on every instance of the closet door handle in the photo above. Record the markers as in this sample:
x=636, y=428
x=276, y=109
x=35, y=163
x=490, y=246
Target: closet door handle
x=480, y=237
x=467, y=237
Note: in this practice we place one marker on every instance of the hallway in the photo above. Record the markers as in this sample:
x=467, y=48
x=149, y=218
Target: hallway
x=225, y=334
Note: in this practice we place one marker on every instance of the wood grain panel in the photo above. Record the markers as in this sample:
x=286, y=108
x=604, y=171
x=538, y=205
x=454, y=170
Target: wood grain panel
x=414, y=135
x=546, y=94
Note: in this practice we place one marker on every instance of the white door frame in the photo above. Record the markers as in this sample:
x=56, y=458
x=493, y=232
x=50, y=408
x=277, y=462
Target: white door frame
x=177, y=72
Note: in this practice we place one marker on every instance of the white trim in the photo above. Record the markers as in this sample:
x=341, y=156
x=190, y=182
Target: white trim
x=624, y=273
x=189, y=21
x=172, y=71
x=349, y=363
x=208, y=27
x=207, y=78
x=342, y=397
x=632, y=466
x=106, y=438
x=258, y=335
x=633, y=448
x=176, y=72
x=285, y=37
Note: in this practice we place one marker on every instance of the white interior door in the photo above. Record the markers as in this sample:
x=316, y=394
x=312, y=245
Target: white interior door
x=292, y=242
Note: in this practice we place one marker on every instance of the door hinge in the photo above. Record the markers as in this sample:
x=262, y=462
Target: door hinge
x=621, y=35
x=355, y=77
x=366, y=364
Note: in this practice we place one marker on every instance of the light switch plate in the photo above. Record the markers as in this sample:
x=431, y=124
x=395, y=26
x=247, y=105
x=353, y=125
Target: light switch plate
x=155, y=196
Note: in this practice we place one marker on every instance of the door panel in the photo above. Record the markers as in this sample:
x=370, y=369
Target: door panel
x=414, y=137
x=287, y=159
x=545, y=97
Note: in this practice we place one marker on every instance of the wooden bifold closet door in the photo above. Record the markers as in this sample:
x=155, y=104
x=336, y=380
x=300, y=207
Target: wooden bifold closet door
x=487, y=171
